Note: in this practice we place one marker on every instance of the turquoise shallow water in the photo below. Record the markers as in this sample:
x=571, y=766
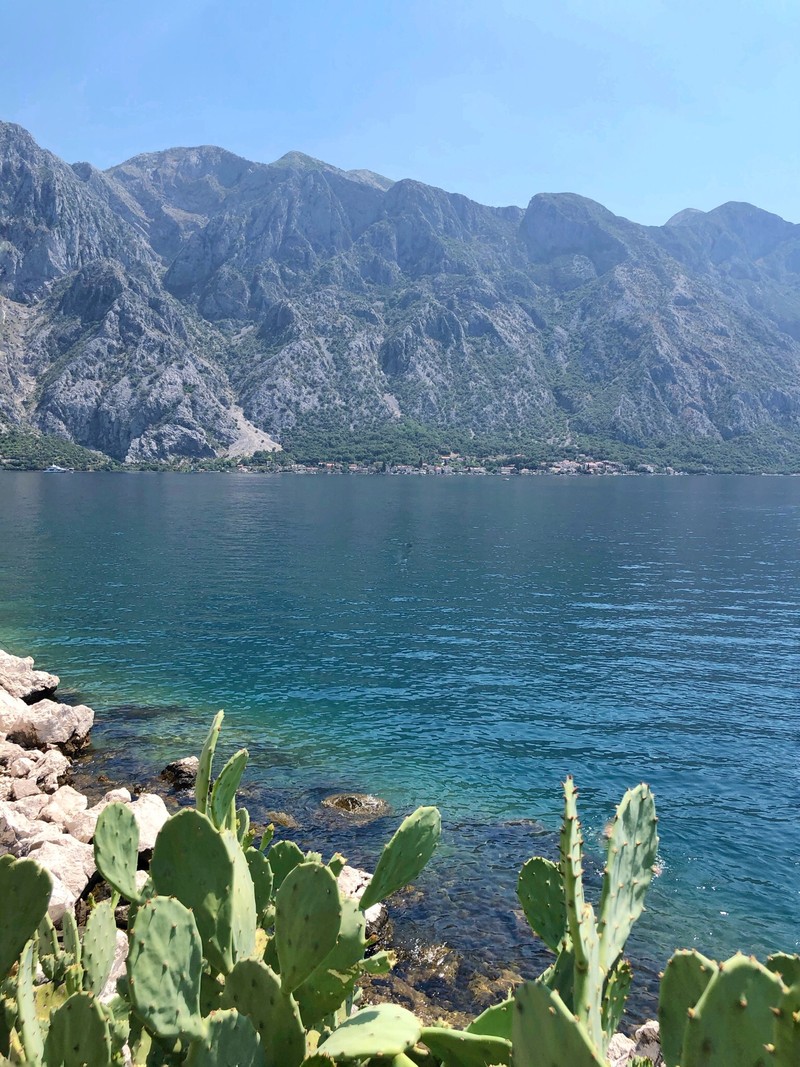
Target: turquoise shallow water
x=465, y=642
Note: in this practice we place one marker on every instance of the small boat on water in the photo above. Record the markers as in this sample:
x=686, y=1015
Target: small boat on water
x=55, y=469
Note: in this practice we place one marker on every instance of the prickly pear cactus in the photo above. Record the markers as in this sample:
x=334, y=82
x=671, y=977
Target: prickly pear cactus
x=164, y=966
x=632, y=852
x=25, y=894
x=78, y=1035
x=27, y=1022
x=467, y=1049
x=116, y=849
x=540, y=890
x=732, y=1023
x=223, y=793
x=283, y=857
x=308, y=915
x=99, y=945
x=203, y=781
x=545, y=1034
x=683, y=983
x=206, y=870
x=404, y=856
x=383, y=1031
x=333, y=980
x=255, y=991
x=261, y=876
x=230, y=1041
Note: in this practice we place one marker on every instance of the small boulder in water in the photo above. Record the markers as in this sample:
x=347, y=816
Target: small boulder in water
x=360, y=806
x=182, y=773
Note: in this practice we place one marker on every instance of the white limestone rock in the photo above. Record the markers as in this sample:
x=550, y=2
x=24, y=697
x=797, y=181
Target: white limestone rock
x=352, y=883
x=18, y=678
x=151, y=814
x=71, y=865
x=82, y=827
x=65, y=804
x=47, y=724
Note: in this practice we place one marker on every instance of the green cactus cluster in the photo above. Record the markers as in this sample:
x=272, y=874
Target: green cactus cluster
x=245, y=956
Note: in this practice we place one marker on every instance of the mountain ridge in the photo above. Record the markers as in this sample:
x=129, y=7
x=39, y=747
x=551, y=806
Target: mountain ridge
x=148, y=309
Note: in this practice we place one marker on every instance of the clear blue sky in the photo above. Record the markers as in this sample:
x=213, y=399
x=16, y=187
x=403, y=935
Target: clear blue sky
x=648, y=106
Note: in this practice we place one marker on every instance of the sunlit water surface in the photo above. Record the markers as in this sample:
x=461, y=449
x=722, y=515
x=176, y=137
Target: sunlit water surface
x=464, y=642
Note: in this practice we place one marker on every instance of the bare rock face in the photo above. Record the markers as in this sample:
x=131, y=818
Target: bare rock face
x=19, y=679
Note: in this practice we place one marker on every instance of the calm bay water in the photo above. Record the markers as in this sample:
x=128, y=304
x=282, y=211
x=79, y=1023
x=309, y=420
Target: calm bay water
x=465, y=642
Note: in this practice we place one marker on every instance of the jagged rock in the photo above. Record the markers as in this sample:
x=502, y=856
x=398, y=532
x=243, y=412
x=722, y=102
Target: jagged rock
x=16, y=826
x=151, y=814
x=47, y=723
x=9, y=752
x=182, y=773
x=19, y=679
x=82, y=826
x=13, y=711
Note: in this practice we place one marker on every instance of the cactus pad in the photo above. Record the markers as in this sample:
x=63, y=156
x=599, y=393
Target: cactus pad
x=632, y=851
x=466, y=1049
x=164, y=967
x=495, y=1021
x=25, y=894
x=203, y=782
x=116, y=849
x=78, y=1034
x=255, y=991
x=283, y=857
x=383, y=1031
x=223, y=793
x=733, y=1020
x=308, y=915
x=333, y=980
x=683, y=983
x=27, y=1021
x=230, y=1041
x=545, y=1034
x=206, y=870
x=99, y=945
x=404, y=856
x=540, y=890
x=261, y=876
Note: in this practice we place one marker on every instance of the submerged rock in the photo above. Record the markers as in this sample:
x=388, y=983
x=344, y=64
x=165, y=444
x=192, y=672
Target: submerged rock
x=361, y=806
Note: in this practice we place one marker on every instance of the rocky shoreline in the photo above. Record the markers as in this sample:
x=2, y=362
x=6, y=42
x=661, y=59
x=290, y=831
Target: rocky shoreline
x=44, y=817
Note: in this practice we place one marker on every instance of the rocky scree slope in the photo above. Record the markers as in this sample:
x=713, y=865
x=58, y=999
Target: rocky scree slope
x=190, y=302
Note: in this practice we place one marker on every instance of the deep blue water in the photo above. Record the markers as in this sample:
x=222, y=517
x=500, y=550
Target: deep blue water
x=465, y=642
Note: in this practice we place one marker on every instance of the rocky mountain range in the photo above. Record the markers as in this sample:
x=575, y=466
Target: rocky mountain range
x=193, y=303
